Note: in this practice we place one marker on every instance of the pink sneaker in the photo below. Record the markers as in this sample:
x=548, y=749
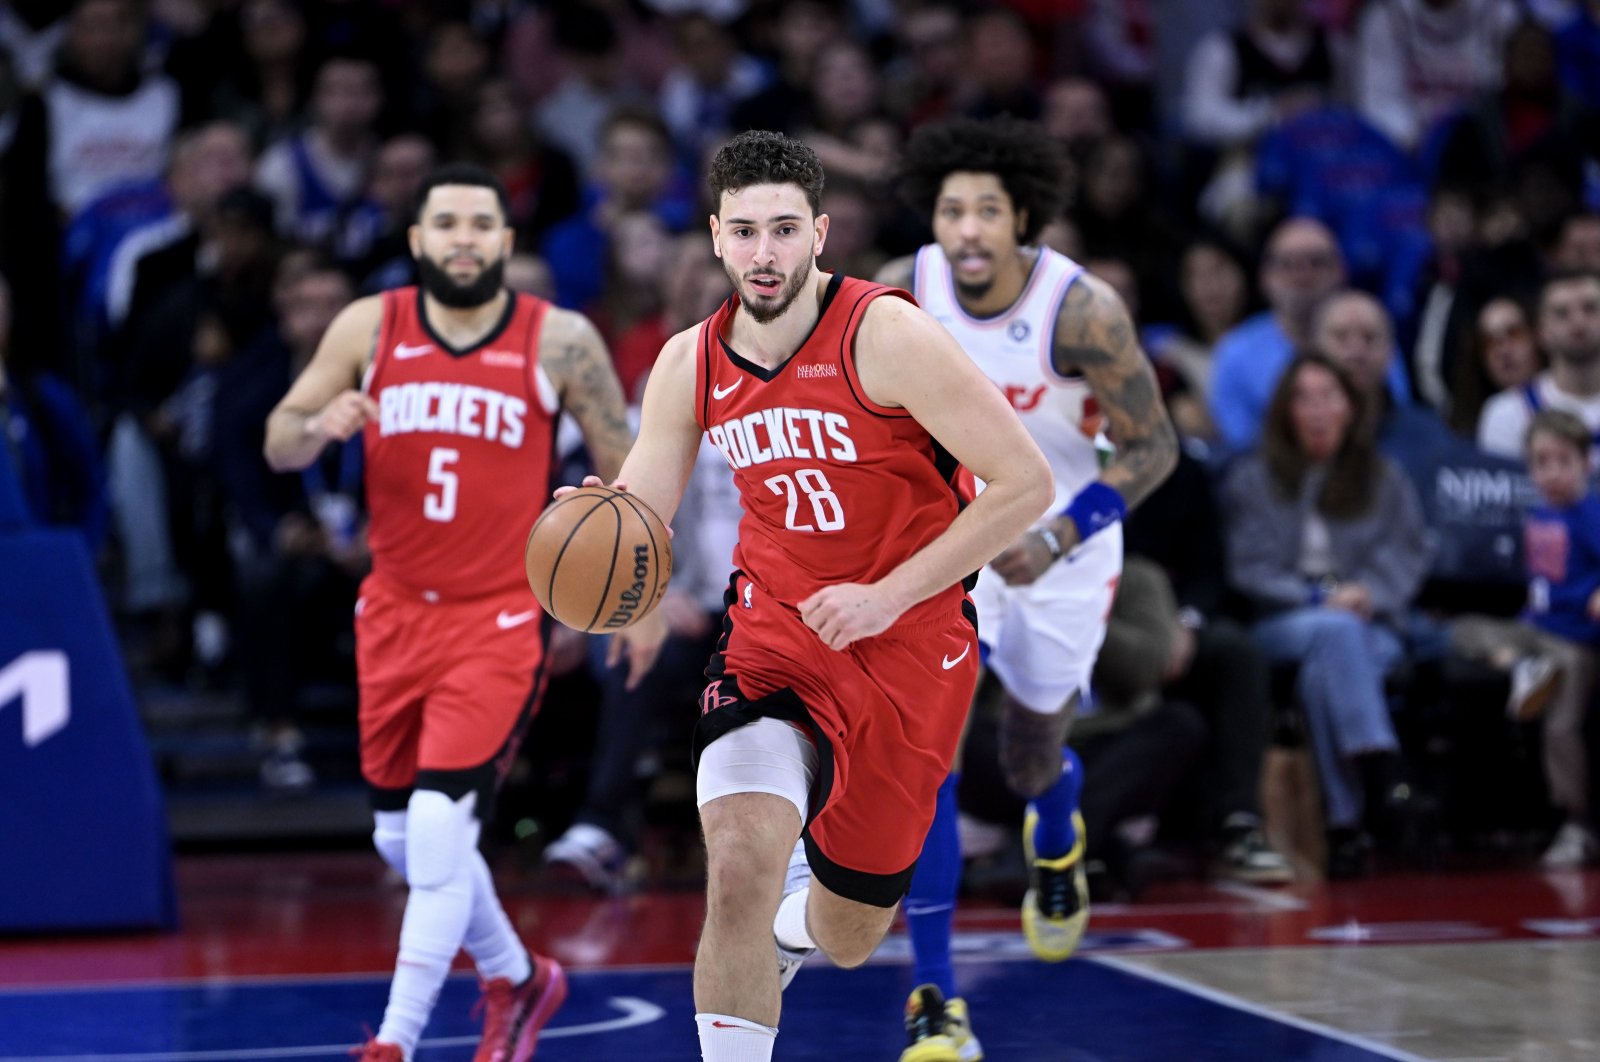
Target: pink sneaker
x=373, y=1051
x=514, y=1014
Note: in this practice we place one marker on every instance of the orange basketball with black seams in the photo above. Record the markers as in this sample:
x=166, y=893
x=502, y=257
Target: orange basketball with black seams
x=598, y=559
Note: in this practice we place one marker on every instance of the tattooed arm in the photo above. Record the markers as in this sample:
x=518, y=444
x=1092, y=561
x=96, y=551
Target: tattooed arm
x=576, y=359
x=1095, y=338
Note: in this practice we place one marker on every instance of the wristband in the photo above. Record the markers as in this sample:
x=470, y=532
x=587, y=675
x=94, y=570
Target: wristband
x=1052, y=542
x=1096, y=507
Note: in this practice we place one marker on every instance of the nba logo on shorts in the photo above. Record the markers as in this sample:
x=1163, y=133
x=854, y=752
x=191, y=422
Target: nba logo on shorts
x=748, y=589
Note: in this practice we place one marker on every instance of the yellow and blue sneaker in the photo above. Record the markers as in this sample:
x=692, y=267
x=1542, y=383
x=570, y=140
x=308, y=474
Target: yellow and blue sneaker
x=1055, y=911
x=958, y=1027
x=927, y=1036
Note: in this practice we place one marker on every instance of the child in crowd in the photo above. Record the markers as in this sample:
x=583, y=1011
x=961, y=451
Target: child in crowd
x=1550, y=649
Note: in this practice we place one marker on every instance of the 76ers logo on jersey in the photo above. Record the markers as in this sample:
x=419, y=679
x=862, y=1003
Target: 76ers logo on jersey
x=1024, y=397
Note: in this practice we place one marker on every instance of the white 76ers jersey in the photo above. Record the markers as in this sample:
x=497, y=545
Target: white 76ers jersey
x=1014, y=350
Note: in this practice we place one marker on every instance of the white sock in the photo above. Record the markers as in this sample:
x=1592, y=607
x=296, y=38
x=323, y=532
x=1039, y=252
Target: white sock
x=724, y=1038
x=790, y=924
x=430, y=935
x=491, y=940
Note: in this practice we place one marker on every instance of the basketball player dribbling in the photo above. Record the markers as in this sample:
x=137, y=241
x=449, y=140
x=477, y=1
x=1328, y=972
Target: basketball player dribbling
x=455, y=387
x=848, y=654
x=1059, y=345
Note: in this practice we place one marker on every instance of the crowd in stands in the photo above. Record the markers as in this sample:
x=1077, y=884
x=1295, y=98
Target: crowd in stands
x=1361, y=239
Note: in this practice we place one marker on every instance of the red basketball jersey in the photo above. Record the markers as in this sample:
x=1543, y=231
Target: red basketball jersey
x=835, y=488
x=459, y=459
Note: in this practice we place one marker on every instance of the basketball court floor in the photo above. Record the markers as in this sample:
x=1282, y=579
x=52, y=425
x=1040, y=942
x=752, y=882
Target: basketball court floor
x=286, y=957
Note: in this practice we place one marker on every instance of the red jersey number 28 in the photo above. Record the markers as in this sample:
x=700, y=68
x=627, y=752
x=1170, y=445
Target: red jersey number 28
x=814, y=485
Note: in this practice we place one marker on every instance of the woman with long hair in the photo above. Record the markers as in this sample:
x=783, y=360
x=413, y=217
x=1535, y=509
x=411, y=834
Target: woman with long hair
x=1326, y=540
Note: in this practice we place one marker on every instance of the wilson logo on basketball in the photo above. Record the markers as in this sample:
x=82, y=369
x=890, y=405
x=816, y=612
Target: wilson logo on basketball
x=622, y=615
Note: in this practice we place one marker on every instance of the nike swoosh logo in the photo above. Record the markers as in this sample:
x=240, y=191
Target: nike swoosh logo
x=724, y=392
x=948, y=663
x=506, y=620
x=725, y=1025
x=403, y=352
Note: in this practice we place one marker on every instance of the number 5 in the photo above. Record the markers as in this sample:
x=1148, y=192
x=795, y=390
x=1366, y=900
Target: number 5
x=441, y=507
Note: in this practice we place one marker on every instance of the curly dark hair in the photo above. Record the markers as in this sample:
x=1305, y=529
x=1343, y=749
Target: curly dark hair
x=758, y=156
x=1352, y=477
x=1031, y=165
x=467, y=173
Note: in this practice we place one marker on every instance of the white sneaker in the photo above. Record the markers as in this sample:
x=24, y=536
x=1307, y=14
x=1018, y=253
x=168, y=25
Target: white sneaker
x=1534, y=680
x=592, y=852
x=1575, y=845
x=797, y=877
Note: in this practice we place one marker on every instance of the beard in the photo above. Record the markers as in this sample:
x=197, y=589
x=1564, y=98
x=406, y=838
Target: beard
x=788, y=291
x=455, y=294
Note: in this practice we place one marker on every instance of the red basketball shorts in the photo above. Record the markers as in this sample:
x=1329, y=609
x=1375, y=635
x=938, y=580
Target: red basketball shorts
x=887, y=712
x=445, y=685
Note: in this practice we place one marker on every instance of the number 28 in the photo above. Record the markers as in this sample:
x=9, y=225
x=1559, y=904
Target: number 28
x=824, y=502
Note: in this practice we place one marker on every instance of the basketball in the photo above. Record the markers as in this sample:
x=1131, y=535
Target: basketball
x=598, y=559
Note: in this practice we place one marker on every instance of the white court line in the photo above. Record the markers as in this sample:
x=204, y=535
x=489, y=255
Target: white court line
x=1235, y=1002
x=635, y=1011
x=1273, y=899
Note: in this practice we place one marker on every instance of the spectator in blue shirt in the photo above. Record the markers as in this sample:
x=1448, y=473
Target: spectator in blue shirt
x=1578, y=54
x=1550, y=649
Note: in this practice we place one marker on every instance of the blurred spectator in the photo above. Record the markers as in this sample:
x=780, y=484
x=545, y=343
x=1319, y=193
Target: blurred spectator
x=1577, y=248
x=1136, y=745
x=852, y=245
x=1578, y=54
x=928, y=79
x=1569, y=333
x=1002, y=65
x=31, y=32
x=30, y=238
x=1122, y=54
x=109, y=120
x=640, y=250
x=1213, y=296
x=371, y=242
x=711, y=77
x=541, y=182
x=315, y=176
x=844, y=121
x=1119, y=214
x=251, y=66
x=1240, y=82
x=1215, y=664
x=1502, y=356
x=298, y=539
x=1301, y=267
x=633, y=171
x=1549, y=651
x=692, y=285
x=45, y=434
x=1352, y=328
x=802, y=28
x=455, y=61
x=1326, y=540
x=1076, y=112
x=1432, y=337
x=531, y=274
x=1417, y=60
x=575, y=114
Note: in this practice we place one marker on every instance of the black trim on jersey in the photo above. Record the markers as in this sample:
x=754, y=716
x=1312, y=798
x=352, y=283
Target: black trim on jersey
x=949, y=469
x=761, y=372
x=875, y=890
x=493, y=334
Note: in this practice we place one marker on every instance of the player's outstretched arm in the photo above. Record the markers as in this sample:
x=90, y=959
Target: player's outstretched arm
x=326, y=402
x=906, y=359
x=1095, y=337
x=576, y=359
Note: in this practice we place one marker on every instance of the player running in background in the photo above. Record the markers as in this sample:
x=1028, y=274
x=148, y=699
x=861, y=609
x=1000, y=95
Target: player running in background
x=1059, y=345
x=455, y=386
x=848, y=656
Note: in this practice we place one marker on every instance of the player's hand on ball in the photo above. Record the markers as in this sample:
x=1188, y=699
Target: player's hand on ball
x=590, y=481
x=848, y=612
x=343, y=416
x=1024, y=560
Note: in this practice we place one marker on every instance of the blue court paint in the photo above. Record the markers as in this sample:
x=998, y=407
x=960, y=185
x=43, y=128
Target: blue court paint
x=1079, y=1011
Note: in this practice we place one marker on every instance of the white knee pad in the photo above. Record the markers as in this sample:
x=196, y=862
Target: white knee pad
x=440, y=834
x=766, y=756
x=389, y=838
